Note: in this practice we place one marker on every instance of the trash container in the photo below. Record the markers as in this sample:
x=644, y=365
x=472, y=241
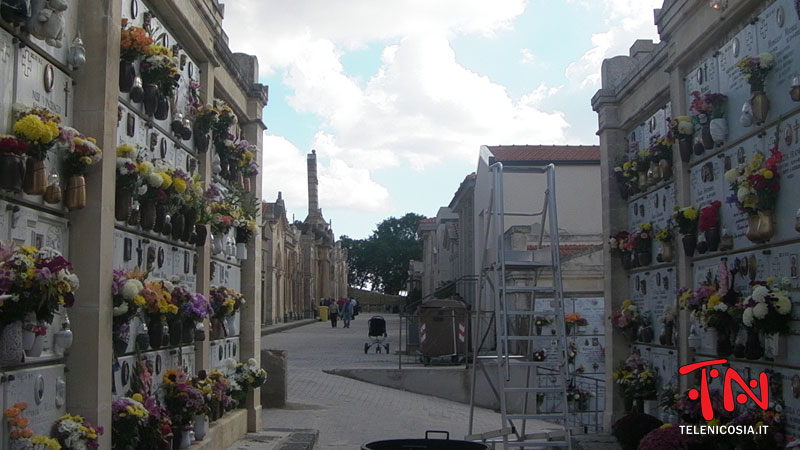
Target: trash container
x=425, y=444
x=323, y=313
x=442, y=329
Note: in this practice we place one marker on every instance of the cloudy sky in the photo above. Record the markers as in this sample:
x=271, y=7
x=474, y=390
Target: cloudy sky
x=398, y=96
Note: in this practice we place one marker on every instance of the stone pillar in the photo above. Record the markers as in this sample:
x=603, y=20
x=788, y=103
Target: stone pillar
x=202, y=349
x=89, y=383
x=313, y=183
x=250, y=337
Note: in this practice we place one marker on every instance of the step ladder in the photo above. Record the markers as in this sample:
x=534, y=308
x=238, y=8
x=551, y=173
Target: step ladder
x=506, y=276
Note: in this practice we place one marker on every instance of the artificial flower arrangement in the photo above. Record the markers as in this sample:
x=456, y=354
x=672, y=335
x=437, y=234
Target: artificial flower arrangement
x=182, y=400
x=159, y=67
x=626, y=319
x=243, y=377
x=215, y=386
x=38, y=128
x=540, y=355
x=755, y=69
x=768, y=307
x=756, y=183
x=621, y=243
x=196, y=308
x=579, y=396
x=661, y=149
x=575, y=320
x=134, y=42
x=221, y=128
x=74, y=432
x=686, y=219
x=625, y=174
x=225, y=301
x=158, y=299
x=709, y=217
x=636, y=378
x=643, y=239
x=572, y=352
x=248, y=206
x=80, y=151
x=707, y=106
x=128, y=173
x=129, y=417
x=681, y=127
x=224, y=213
x=126, y=292
x=18, y=424
x=38, y=281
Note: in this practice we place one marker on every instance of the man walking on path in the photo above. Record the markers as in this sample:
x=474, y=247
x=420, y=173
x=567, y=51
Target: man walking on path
x=333, y=312
x=347, y=312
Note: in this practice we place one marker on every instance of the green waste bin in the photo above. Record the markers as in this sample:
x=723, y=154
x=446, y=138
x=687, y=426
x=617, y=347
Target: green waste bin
x=323, y=313
x=442, y=329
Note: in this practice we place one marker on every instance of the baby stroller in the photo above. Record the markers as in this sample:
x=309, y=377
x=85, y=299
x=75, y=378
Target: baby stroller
x=377, y=334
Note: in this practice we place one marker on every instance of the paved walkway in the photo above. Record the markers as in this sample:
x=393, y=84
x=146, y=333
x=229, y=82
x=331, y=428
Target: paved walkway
x=349, y=413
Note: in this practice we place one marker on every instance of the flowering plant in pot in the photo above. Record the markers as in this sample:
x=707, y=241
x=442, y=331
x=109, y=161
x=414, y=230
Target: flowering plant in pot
x=755, y=185
x=708, y=224
x=626, y=319
x=74, y=432
x=686, y=220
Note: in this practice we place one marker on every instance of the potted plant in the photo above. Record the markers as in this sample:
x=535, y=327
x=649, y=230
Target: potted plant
x=708, y=224
x=686, y=220
x=756, y=186
x=755, y=70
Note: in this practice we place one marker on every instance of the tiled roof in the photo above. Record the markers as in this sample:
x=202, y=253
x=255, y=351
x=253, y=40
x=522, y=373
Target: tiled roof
x=546, y=153
x=567, y=250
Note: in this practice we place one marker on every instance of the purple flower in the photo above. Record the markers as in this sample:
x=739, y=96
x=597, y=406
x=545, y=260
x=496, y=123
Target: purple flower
x=42, y=275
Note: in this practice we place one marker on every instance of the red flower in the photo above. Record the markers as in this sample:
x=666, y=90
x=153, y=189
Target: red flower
x=709, y=216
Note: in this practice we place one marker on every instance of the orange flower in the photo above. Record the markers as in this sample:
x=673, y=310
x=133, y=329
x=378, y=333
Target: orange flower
x=26, y=433
x=12, y=421
x=15, y=434
x=12, y=412
x=23, y=422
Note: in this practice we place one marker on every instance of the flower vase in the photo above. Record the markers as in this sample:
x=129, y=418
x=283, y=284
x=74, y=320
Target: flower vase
x=155, y=331
x=645, y=334
x=201, y=232
x=162, y=108
x=150, y=99
x=123, y=199
x=35, y=181
x=765, y=225
x=665, y=167
x=719, y=130
x=247, y=186
x=705, y=136
x=28, y=336
x=187, y=334
x=230, y=325
x=712, y=238
x=724, y=346
x=538, y=330
x=12, y=172
x=698, y=148
x=241, y=251
x=201, y=141
x=760, y=105
x=752, y=229
x=36, y=349
x=218, y=244
x=200, y=427
x=137, y=91
x=689, y=244
x=794, y=92
x=127, y=73
x=189, y=220
x=199, y=332
x=217, y=330
x=666, y=252
x=655, y=172
x=147, y=215
x=685, y=148
x=752, y=348
x=143, y=339
x=76, y=192
x=665, y=338
x=11, y=351
x=175, y=323
x=186, y=438
x=645, y=258
x=178, y=222
x=626, y=260
x=161, y=217
x=642, y=180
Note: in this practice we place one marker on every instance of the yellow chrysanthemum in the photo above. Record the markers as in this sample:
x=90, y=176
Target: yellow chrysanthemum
x=139, y=301
x=137, y=397
x=124, y=150
x=690, y=213
x=180, y=185
x=167, y=180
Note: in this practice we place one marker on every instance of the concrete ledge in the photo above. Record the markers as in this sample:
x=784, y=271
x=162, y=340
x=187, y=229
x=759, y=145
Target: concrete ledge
x=224, y=432
x=279, y=439
x=277, y=328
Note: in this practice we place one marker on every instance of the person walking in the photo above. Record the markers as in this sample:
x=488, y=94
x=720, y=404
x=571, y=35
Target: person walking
x=347, y=313
x=333, y=312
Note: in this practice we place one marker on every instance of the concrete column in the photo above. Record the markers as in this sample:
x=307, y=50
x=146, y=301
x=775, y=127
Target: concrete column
x=202, y=349
x=96, y=91
x=250, y=337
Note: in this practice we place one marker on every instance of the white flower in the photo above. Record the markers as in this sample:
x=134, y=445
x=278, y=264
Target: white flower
x=168, y=285
x=230, y=363
x=760, y=310
x=252, y=362
x=767, y=60
x=732, y=175
x=131, y=289
x=121, y=309
x=783, y=305
x=685, y=127
x=146, y=167
x=759, y=293
x=154, y=180
x=721, y=307
x=747, y=317
x=742, y=194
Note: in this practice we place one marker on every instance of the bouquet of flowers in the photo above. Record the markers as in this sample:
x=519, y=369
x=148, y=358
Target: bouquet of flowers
x=661, y=148
x=682, y=127
x=626, y=318
x=160, y=68
x=636, y=378
x=248, y=207
x=576, y=319
x=621, y=243
x=768, y=307
x=75, y=433
x=245, y=376
x=128, y=418
x=127, y=167
x=81, y=151
x=221, y=132
x=38, y=128
x=541, y=321
x=205, y=117
x=134, y=42
x=709, y=216
x=579, y=396
x=755, y=69
x=686, y=219
x=643, y=238
x=158, y=432
x=625, y=175
x=225, y=301
x=664, y=234
x=38, y=281
x=540, y=355
x=126, y=292
x=10, y=145
x=18, y=424
x=182, y=400
x=572, y=352
x=156, y=179
x=697, y=301
x=756, y=184
x=708, y=106
x=158, y=298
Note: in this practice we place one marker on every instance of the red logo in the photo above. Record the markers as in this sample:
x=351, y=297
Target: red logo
x=731, y=376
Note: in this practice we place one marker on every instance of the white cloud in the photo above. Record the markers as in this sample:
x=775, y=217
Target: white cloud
x=526, y=56
x=627, y=20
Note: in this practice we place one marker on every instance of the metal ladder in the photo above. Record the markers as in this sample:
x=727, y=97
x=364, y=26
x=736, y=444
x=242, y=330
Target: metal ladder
x=495, y=275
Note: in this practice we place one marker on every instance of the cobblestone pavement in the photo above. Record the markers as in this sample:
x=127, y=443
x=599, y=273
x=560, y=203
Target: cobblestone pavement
x=350, y=413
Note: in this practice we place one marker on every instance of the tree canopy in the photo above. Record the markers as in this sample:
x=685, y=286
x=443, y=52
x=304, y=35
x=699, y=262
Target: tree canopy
x=381, y=260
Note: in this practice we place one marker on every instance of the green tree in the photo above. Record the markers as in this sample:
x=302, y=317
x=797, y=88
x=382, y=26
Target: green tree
x=382, y=259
